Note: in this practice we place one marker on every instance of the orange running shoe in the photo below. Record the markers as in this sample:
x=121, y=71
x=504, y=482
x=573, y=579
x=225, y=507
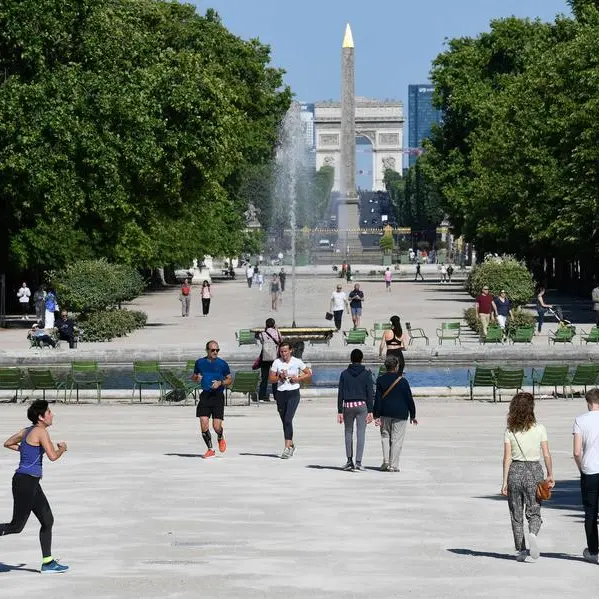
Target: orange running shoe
x=222, y=445
x=209, y=454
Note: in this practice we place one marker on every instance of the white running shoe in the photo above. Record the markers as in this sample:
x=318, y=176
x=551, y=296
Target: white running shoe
x=534, y=546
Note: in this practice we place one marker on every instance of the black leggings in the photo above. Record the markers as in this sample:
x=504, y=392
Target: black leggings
x=287, y=402
x=28, y=497
x=205, y=306
x=264, y=372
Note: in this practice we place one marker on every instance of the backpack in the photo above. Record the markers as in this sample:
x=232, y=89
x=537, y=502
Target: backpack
x=270, y=347
x=185, y=290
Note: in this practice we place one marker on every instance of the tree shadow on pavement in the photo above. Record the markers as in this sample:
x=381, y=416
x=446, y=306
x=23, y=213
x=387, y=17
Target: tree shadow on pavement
x=18, y=567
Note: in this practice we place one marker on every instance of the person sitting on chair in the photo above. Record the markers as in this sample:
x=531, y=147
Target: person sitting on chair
x=66, y=329
x=40, y=337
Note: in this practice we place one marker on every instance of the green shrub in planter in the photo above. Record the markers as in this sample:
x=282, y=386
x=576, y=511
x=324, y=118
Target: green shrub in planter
x=505, y=273
x=108, y=324
x=519, y=319
x=95, y=285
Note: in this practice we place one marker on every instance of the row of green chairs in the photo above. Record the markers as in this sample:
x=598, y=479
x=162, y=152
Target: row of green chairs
x=584, y=375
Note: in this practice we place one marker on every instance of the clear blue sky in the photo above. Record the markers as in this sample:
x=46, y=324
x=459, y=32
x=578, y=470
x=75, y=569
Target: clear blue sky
x=396, y=40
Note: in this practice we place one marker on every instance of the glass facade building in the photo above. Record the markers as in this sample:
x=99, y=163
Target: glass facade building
x=421, y=116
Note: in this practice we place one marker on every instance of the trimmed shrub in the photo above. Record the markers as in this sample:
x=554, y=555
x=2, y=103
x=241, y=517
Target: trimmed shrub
x=94, y=285
x=502, y=273
x=108, y=324
x=519, y=319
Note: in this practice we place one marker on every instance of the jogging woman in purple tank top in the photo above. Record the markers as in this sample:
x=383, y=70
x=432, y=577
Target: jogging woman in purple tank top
x=32, y=443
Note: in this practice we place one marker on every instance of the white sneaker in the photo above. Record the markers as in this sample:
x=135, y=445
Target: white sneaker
x=590, y=557
x=286, y=455
x=291, y=451
x=534, y=546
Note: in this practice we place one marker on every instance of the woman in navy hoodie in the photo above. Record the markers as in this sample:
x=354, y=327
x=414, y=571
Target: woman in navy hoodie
x=355, y=402
x=393, y=404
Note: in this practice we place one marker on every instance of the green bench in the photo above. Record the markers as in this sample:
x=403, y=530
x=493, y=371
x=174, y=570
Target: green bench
x=449, y=331
x=245, y=337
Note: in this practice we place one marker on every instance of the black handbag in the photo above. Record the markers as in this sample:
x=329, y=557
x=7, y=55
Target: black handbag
x=329, y=316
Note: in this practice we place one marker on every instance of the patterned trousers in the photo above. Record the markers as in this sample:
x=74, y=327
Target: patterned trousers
x=521, y=490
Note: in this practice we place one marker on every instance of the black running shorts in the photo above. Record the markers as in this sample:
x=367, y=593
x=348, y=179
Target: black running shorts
x=212, y=405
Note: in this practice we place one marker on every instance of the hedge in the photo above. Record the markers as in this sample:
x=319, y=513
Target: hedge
x=107, y=324
x=519, y=319
x=502, y=273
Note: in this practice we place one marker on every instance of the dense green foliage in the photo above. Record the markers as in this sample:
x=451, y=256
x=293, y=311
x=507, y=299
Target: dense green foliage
x=127, y=129
x=507, y=274
x=108, y=324
x=519, y=318
x=93, y=285
x=386, y=242
x=516, y=160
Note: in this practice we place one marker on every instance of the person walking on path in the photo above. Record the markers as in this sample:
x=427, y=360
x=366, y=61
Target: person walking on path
x=39, y=300
x=485, y=309
x=214, y=375
x=51, y=306
x=185, y=297
x=282, y=279
x=275, y=293
x=503, y=309
x=270, y=339
x=259, y=278
x=524, y=440
x=355, y=404
x=356, y=297
x=348, y=275
x=338, y=303
x=595, y=298
x=394, y=342
x=542, y=307
x=449, y=272
x=443, y=273
x=249, y=273
x=288, y=372
x=24, y=295
x=32, y=443
x=206, y=294
x=418, y=273
x=393, y=404
x=586, y=456
x=388, y=276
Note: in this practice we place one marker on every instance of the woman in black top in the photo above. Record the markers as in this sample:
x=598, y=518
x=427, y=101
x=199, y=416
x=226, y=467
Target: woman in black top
x=394, y=340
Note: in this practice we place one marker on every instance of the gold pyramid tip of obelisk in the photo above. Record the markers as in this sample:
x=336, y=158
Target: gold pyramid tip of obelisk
x=348, y=40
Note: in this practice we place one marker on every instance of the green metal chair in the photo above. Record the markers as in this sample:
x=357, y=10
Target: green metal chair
x=86, y=374
x=43, y=380
x=147, y=373
x=561, y=335
x=508, y=379
x=415, y=333
x=378, y=331
x=481, y=377
x=585, y=375
x=591, y=337
x=245, y=382
x=181, y=388
x=11, y=379
x=449, y=331
x=522, y=335
x=355, y=337
x=494, y=335
x=245, y=337
x=552, y=376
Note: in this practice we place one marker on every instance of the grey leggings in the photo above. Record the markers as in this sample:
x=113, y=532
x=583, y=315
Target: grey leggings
x=359, y=415
x=522, y=482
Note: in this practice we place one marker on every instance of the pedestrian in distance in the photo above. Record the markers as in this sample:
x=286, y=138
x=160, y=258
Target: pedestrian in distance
x=206, y=296
x=449, y=272
x=214, y=376
x=51, y=306
x=355, y=403
x=32, y=443
x=586, y=456
x=39, y=300
x=356, y=297
x=542, y=307
x=288, y=372
x=348, y=275
x=595, y=299
x=249, y=273
x=282, y=279
x=394, y=342
x=275, y=292
x=485, y=309
x=418, y=273
x=185, y=297
x=388, y=276
x=503, y=309
x=270, y=339
x=393, y=405
x=524, y=441
x=338, y=303
x=67, y=329
x=443, y=273
x=24, y=296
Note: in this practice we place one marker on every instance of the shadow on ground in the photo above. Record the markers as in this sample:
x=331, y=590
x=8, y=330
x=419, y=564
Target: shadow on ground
x=512, y=556
x=261, y=455
x=18, y=567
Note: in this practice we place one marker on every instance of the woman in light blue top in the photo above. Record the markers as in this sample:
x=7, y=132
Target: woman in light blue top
x=28, y=496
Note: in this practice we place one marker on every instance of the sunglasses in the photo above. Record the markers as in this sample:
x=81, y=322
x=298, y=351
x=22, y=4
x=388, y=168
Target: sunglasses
x=214, y=350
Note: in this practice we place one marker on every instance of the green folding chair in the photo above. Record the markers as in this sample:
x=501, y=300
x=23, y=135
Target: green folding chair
x=11, y=379
x=43, y=380
x=509, y=379
x=86, y=374
x=181, y=388
x=591, y=337
x=449, y=331
x=494, y=335
x=551, y=376
x=481, y=377
x=585, y=375
x=147, y=373
x=245, y=382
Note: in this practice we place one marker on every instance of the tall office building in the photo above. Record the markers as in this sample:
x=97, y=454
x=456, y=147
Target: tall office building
x=421, y=115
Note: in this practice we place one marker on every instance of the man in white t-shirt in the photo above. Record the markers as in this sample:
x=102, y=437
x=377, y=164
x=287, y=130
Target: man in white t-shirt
x=338, y=304
x=586, y=456
x=287, y=372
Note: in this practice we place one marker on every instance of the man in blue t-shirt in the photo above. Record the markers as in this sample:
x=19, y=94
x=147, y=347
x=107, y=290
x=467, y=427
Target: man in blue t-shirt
x=214, y=375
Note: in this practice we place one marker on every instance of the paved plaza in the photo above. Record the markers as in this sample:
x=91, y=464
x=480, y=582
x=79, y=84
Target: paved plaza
x=139, y=514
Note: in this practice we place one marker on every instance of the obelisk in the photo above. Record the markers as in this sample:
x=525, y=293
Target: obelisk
x=348, y=219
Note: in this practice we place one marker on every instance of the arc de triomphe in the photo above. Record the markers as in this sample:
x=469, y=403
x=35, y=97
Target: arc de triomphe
x=381, y=122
